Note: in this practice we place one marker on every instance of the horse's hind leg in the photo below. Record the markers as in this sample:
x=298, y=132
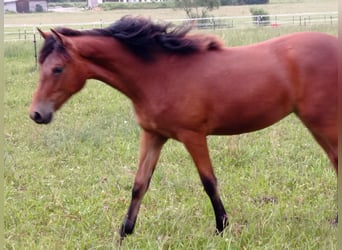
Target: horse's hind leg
x=324, y=129
x=325, y=132
x=330, y=147
x=327, y=137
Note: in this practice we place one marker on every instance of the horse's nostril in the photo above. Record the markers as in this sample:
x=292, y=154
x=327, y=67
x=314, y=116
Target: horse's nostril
x=41, y=119
x=36, y=117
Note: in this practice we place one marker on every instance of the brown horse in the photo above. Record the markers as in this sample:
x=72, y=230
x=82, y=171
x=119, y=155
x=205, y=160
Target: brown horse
x=186, y=87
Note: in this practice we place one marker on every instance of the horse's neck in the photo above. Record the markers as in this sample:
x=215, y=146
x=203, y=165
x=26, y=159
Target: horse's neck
x=109, y=61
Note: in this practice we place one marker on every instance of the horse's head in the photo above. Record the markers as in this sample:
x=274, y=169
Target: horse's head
x=61, y=75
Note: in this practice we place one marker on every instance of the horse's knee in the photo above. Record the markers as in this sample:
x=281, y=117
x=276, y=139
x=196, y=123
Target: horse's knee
x=210, y=185
x=139, y=190
x=136, y=191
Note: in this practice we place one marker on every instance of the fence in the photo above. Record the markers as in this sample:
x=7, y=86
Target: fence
x=27, y=32
x=242, y=22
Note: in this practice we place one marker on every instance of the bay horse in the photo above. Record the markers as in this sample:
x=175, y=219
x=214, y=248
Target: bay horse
x=187, y=86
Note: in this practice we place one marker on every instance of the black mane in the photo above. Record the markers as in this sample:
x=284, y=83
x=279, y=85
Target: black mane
x=140, y=35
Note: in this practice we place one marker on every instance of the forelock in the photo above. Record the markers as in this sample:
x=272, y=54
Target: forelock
x=50, y=45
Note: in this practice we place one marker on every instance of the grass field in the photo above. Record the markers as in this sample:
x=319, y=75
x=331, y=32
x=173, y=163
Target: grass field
x=68, y=185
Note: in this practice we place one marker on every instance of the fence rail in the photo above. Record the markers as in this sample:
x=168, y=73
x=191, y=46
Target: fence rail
x=27, y=32
x=240, y=22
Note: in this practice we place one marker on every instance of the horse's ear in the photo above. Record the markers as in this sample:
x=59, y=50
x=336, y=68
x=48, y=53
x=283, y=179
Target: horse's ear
x=57, y=36
x=64, y=41
x=42, y=33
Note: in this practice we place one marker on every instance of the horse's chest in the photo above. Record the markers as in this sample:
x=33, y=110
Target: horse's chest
x=146, y=122
x=153, y=121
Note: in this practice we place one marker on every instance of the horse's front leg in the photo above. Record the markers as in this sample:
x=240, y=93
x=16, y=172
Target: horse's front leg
x=196, y=144
x=151, y=145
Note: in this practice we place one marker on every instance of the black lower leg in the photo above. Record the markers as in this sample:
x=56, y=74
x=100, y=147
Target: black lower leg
x=220, y=213
x=131, y=217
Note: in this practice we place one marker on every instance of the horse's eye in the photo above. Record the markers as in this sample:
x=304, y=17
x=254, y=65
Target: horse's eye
x=57, y=70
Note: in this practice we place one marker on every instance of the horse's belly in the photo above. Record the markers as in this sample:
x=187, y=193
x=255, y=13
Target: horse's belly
x=254, y=118
x=240, y=127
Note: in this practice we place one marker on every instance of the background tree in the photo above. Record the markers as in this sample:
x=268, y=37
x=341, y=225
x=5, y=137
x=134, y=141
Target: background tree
x=197, y=8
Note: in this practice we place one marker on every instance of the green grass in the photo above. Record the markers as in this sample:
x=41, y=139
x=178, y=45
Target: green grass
x=68, y=184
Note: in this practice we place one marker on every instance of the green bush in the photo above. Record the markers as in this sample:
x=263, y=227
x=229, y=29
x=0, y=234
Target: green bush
x=260, y=16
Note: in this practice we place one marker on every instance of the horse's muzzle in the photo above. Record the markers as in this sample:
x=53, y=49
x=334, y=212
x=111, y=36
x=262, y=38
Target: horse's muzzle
x=41, y=118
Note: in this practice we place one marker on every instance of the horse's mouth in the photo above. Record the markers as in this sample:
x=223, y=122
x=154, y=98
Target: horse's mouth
x=40, y=118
